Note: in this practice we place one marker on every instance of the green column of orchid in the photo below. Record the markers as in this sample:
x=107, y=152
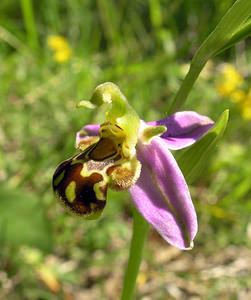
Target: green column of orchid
x=118, y=111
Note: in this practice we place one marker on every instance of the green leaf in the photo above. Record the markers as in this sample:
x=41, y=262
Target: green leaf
x=223, y=33
x=193, y=161
x=241, y=34
x=23, y=220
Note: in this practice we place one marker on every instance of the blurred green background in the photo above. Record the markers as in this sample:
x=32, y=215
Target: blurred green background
x=54, y=54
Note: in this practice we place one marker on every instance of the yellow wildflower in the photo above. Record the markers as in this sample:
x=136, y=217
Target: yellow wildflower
x=238, y=96
x=230, y=85
x=246, y=106
x=246, y=111
x=230, y=81
x=61, y=48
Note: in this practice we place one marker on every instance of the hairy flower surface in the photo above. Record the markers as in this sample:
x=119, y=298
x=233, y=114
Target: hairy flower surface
x=125, y=152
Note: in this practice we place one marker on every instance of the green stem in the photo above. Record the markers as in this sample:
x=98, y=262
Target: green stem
x=186, y=86
x=28, y=15
x=140, y=230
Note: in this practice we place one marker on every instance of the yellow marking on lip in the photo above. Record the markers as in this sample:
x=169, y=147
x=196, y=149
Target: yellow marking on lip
x=100, y=195
x=59, y=178
x=84, y=172
x=70, y=191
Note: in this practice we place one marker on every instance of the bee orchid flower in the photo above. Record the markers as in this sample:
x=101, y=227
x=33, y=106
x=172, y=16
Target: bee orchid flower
x=125, y=152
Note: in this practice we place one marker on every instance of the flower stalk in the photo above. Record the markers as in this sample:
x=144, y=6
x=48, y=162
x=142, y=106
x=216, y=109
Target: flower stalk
x=29, y=21
x=187, y=85
x=139, y=234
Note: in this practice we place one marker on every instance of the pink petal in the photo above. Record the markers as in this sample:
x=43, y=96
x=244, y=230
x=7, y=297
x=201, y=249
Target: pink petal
x=86, y=132
x=161, y=195
x=92, y=129
x=184, y=128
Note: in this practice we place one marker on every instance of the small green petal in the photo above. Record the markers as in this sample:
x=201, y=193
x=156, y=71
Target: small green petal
x=152, y=131
x=86, y=104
